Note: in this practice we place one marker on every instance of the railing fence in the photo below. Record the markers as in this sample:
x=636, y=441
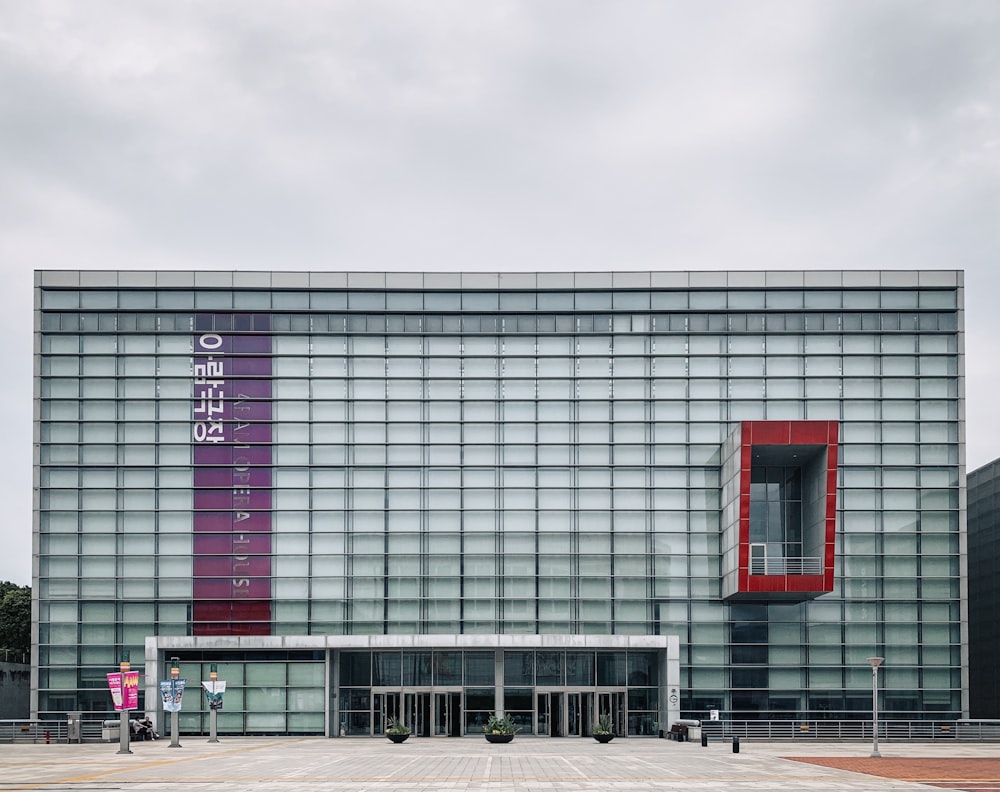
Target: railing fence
x=806, y=565
x=94, y=730
x=847, y=731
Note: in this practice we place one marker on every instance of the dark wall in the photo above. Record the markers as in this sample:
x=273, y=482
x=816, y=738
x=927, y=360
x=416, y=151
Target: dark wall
x=984, y=591
x=15, y=691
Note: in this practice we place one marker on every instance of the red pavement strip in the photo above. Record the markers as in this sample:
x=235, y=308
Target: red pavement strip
x=974, y=774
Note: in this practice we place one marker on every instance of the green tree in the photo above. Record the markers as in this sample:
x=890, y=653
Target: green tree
x=15, y=621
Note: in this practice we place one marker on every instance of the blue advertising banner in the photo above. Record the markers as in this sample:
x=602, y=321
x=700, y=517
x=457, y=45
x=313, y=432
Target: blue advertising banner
x=172, y=691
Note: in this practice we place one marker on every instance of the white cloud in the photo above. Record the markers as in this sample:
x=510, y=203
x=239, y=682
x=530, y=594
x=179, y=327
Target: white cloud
x=514, y=135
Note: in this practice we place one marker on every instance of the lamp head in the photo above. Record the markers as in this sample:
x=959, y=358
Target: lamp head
x=875, y=662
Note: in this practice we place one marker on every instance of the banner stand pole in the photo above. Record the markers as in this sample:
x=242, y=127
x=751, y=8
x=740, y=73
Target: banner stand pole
x=124, y=732
x=175, y=672
x=214, y=701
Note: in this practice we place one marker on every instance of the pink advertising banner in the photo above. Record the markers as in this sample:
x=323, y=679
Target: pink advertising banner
x=115, y=686
x=130, y=689
x=124, y=689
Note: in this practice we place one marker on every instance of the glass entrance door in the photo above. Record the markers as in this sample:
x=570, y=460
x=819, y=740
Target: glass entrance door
x=579, y=714
x=543, y=708
x=426, y=712
x=417, y=713
x=613, y=704
x=557, y=725
x=385, y=707
x=442, y=714
x=448, y=714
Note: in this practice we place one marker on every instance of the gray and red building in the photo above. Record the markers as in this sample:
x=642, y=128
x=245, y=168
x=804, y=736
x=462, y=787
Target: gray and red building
x=556, y=495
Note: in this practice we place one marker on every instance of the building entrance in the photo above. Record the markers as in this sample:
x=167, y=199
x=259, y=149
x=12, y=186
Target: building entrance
x=579, y=707
x=573, y=713
x=452, y=693
x=426, y=712
x=448, y=714
x=612, y=703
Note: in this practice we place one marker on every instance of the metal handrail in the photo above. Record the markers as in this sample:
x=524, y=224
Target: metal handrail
x=858, y=730
x=34, y=731
x=985, y=731
x=803, y=565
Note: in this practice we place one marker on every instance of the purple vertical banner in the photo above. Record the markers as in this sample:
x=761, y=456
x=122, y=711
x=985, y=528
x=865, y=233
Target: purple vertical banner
x=231, y=433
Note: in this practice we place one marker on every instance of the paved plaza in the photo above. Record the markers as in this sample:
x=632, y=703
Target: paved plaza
x=284, y=764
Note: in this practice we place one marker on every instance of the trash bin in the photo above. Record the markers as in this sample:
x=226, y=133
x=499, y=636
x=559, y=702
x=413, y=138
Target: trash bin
x=694, y=733
x=111, y=731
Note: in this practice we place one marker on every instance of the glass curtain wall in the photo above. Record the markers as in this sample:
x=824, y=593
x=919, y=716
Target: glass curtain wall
x=515, y=462
x=548, y=693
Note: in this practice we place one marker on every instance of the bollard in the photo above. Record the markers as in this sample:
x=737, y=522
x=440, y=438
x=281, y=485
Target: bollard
x=736, y=744
x=48, y=737
x=704, y=739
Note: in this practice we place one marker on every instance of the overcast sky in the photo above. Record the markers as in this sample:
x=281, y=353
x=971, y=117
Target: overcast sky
x=532, y=135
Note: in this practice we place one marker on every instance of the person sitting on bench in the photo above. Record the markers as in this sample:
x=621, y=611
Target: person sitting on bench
x=142, y=729
x=150, y=733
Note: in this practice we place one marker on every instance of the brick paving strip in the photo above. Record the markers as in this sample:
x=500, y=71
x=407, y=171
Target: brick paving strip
x=965, y=773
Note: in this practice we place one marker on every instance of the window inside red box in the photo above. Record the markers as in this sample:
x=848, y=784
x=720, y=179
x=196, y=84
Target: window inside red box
x=780, y=509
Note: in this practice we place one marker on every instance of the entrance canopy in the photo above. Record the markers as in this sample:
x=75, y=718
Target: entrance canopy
x=441, y=685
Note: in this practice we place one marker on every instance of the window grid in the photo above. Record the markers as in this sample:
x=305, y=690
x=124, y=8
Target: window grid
x=613, y=421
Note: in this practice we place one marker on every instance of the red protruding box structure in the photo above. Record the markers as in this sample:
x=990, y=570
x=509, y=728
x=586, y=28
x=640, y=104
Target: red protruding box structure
x=760, y=569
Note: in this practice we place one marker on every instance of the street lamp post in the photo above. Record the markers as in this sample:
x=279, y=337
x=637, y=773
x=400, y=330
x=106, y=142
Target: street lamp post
x=875, y=662
x=175, y=672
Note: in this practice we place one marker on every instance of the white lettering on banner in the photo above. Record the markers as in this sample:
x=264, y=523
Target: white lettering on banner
x=241, y=562
x=208, y=431
x=209, y=393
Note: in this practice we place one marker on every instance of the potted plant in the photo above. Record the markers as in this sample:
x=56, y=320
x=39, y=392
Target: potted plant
x=602, y=729
x=397, y=731
x=499, y=730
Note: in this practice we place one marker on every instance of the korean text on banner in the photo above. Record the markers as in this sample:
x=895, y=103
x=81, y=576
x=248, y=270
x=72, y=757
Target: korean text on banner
x=115, y=686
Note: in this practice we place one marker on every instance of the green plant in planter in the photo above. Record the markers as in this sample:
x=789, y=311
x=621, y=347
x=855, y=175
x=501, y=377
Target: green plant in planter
x=397, y=727
x=603, y=725
x=602, y=729
x=502, y=725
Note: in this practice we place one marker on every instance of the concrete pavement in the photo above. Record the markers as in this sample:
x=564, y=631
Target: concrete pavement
x=283, y=764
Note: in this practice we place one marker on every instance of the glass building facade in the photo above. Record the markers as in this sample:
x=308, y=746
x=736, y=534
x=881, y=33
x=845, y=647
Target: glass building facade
x=439, y=495
x=984, y=589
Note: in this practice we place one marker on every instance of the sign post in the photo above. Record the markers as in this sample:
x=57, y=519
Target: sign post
x=172, y=691
x=124, y=695
x=214, y=690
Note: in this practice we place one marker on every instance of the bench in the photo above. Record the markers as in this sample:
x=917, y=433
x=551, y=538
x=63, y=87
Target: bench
x=678, y=732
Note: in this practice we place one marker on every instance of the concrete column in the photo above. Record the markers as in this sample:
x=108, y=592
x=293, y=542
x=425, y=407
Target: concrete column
x=672, y=678
x=333, y=693
x=498, y=681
